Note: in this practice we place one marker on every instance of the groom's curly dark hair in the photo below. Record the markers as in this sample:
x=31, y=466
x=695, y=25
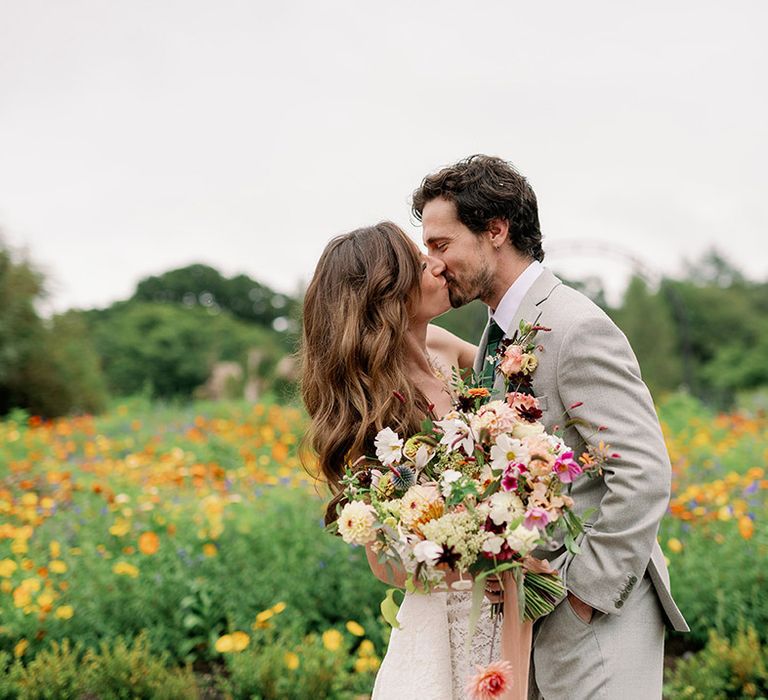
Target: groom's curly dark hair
x=484, y=188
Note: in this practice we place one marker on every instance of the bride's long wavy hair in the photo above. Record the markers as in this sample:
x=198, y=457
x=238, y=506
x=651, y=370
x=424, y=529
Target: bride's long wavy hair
x=353, y=352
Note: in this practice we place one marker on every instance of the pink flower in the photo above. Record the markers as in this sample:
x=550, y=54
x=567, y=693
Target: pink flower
x=526, y=406
x=490, y=682
x=536, y=517
x=566, y=467
x=511, y=361
x=511, y=473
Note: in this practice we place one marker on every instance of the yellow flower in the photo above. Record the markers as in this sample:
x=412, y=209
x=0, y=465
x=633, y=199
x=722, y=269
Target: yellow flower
x=57, y=566
x=277, y=608
x=364, y=664
x=210, y=550
x=675, y=545
x=355, y=628
x=366, y=648
x=332, y=640
x=7, y=567
x=237, y=641
x=125, y=569
x=55, y=549
x=20, y=648
x=64, y=612
x=120, y=528
x=291, y=660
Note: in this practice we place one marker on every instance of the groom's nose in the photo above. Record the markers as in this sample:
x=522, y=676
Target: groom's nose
x=436, y=266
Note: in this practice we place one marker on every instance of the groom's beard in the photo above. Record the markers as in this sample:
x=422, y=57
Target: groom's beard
x=479, y=286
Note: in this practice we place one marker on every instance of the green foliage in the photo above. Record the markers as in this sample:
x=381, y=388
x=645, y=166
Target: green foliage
x=646, y=320
x=117, y=671
x=170, y=350
x=203, y=286
x=123, y=671
x=47, y=368
x=467, y=322
x=53, y=674
x=722, y=670
x=263, y=672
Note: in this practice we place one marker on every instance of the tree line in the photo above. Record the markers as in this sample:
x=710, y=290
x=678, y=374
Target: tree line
x=705, y=332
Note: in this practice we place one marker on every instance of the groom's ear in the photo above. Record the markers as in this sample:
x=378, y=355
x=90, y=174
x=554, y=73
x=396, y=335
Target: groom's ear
x=498, y=232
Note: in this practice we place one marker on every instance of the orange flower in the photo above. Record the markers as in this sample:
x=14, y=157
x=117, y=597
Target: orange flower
x=149, y=542
x=746, y=527
x=490, y=682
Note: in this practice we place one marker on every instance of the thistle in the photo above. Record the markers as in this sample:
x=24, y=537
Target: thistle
x=403, y=477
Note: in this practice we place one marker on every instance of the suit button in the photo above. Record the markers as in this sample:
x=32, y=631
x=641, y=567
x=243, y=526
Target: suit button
x=619, y=603
x=624, y=595
x=633, y=579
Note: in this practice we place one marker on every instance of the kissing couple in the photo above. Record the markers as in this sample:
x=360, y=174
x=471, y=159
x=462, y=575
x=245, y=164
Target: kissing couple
x=372, y=359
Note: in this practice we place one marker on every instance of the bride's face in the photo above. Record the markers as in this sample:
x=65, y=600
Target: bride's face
x=434, y=290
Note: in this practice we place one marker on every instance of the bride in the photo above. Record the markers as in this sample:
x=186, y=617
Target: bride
x=371, y=359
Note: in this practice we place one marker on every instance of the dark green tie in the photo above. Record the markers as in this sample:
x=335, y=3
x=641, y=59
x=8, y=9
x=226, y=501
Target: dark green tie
x=495, y=334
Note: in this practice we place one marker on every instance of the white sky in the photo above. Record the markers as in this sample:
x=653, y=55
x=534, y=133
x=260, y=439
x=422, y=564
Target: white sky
x=145, y=135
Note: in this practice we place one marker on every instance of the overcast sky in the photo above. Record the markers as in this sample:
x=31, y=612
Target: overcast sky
x=140, y=136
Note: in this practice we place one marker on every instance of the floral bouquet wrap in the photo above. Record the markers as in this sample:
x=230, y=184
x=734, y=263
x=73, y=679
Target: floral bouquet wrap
x=473, y=493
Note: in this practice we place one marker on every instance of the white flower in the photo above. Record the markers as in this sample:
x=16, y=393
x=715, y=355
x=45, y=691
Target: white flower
x=493, y=544
x=356, y=523
x=508, y=450
x=456, y=434
x=523, y=540
x=448, y=477
x=422, y=457
x=428, y=552
x=523, y=430
x=495, y=417
x=505, y=506
x=389, y=446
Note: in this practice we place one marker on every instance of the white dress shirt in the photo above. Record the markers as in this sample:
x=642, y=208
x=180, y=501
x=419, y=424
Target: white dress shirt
x=504, y=314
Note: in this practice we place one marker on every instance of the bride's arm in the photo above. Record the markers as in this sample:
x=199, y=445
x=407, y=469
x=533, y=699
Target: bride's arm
x=452, y=349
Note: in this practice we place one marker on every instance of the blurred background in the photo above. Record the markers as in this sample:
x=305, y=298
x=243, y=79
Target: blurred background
x=169, y=174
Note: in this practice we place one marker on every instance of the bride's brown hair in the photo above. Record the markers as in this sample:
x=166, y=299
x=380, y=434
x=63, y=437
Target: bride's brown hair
x=353, y=351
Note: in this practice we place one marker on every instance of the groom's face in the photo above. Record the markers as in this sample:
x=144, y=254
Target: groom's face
x=465, y=255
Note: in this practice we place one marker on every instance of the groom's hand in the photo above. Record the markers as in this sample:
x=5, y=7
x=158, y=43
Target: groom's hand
x=583, y=610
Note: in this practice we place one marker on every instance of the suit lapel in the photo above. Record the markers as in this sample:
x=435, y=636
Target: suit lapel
x=528, y=311
x=539, y=292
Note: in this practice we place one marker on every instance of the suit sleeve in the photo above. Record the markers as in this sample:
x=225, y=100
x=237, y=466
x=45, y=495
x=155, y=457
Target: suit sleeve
x=597, y=367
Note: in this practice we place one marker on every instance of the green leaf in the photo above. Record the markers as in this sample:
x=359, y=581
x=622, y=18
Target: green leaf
x=389, y=608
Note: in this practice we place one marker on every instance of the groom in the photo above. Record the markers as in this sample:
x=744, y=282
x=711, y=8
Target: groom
x=606, y=638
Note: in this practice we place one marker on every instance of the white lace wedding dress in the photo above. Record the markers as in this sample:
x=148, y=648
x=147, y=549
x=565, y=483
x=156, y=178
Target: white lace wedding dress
x=427, y=658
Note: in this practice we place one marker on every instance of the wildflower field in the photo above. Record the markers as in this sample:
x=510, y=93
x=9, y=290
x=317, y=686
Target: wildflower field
x=180, y=551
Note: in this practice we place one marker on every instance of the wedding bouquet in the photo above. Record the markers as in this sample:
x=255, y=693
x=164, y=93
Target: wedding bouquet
x=473, y=493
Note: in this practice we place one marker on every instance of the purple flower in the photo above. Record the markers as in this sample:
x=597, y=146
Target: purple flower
x=566, y=467
x=536, y=518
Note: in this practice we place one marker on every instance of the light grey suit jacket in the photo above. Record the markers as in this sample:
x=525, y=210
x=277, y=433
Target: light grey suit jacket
x=585, y=357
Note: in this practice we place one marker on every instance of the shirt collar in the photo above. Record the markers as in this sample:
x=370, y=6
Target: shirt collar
x=510, y=302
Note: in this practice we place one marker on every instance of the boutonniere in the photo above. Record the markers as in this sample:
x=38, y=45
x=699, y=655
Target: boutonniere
x=516, y=359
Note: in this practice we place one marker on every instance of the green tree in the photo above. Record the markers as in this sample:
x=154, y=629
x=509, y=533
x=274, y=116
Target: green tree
x=203, y=286
x=647, y=322
x=48, y=368
x=171, y=349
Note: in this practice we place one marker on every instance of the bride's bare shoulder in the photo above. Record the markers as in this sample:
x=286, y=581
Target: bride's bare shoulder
x=451, y=349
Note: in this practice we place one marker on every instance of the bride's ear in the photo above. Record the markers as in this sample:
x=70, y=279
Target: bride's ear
x=498, y=232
